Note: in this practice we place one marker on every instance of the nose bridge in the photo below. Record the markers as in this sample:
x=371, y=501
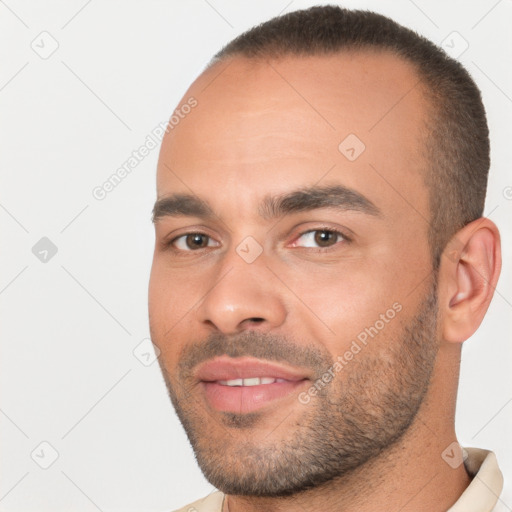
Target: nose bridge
x=244, y=292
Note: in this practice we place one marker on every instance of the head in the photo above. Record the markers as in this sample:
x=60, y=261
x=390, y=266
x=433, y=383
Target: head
x=318, y=222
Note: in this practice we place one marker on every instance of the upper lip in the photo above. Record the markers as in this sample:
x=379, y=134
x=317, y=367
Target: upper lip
x=227, y=368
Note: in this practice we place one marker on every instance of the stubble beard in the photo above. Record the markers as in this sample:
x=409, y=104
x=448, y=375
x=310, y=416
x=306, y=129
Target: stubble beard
x=365, y=410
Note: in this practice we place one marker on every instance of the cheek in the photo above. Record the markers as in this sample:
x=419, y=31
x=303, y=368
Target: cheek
x=170, y=302
x=347, y=308
x=358, y=300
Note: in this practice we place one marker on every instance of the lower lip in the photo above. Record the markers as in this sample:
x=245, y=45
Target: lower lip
x=245, y=399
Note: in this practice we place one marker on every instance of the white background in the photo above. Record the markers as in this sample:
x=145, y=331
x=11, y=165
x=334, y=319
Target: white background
x=69, y=326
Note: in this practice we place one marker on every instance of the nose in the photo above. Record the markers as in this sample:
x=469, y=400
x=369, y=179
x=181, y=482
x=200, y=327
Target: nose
x=244, y=296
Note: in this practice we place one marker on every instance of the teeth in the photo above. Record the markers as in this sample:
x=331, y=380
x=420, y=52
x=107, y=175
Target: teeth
x=233, y=382
x=253, y=381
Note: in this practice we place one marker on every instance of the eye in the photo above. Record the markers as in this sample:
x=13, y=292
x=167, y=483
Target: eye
x=319, y=238
x=192, y=242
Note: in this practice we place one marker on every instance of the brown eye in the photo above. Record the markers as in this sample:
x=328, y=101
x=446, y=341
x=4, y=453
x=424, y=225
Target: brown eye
x=319, y=238
x=326, y=238
x=196, y=241
x=192, y=242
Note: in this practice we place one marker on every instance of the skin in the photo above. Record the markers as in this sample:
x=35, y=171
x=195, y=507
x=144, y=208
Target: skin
x=272, y=127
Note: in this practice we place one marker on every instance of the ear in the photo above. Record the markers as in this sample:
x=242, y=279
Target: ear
x=468, y=273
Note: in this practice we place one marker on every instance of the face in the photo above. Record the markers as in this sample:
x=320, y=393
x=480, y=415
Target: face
x=291, y=293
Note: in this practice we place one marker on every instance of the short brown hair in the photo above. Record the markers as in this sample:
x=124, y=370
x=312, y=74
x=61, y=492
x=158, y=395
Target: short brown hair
x=457, y=144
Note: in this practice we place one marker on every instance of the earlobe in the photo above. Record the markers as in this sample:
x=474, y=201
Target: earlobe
x=468, y=274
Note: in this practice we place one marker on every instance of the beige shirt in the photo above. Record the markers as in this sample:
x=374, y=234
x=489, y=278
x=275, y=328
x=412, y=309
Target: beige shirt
x=480, y=496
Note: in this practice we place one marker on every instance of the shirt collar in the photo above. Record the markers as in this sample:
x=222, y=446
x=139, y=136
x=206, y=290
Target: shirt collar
x=483, y=492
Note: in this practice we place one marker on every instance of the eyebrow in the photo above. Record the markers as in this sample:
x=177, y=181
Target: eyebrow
x=305, y=199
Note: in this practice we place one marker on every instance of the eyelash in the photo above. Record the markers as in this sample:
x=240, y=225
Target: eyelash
x=337, y=232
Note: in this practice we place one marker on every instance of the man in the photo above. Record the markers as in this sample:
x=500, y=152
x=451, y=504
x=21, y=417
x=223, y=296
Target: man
x=320, y=257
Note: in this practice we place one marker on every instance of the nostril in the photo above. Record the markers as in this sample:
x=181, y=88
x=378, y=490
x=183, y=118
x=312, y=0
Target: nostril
x=256, y=320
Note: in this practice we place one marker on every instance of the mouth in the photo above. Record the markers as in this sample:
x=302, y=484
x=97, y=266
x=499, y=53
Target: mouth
x=244, y=385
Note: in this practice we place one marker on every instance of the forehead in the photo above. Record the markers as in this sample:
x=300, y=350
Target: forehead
x=268, y=126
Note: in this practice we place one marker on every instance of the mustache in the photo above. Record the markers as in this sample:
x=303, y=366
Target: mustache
x=255, y=344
